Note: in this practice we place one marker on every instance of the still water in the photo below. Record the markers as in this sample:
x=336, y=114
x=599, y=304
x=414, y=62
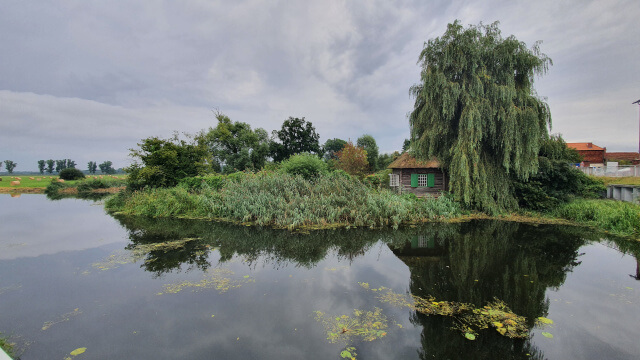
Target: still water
x=73, y=277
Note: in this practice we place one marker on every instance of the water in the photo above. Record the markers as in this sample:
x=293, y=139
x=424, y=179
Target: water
x=74, y=277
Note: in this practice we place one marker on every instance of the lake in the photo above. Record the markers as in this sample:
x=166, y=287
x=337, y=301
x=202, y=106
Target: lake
x=74, y=277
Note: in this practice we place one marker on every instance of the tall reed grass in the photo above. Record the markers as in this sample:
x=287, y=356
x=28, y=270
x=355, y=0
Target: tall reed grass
x=616, y=217
x=286, y=201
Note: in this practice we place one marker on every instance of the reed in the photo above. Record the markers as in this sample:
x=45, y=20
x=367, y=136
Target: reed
x=285, y=201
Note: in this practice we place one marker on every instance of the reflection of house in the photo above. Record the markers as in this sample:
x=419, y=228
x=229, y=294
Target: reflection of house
x=418, y=177
x=591, y=153
x=420, y=249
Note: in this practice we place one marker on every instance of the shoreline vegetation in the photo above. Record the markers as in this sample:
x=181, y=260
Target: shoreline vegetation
x=337, y=200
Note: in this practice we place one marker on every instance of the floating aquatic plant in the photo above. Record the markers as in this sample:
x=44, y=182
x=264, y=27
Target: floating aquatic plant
x=363, y=325
x=62, y=318
x=137, y=252
x=219, y=279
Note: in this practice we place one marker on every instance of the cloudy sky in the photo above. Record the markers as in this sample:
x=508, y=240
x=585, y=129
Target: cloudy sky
x=86, y=80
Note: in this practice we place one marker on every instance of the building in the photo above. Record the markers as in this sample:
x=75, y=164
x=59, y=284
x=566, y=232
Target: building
x=626, y=158
x=418, y=177
x=592, y=154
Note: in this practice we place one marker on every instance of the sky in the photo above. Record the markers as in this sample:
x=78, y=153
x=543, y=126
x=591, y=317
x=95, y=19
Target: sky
x=88, y=80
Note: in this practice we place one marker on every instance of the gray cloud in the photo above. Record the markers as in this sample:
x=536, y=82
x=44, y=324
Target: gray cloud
x=90, y=79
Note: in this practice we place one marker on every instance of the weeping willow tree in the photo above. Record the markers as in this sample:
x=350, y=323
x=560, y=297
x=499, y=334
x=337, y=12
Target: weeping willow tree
x=476, y=111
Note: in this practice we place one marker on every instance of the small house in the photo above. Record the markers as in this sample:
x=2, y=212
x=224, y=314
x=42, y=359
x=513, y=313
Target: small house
x=592, y=154
x=418, y=177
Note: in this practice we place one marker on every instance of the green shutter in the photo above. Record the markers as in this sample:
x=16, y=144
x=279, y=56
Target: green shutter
x=414, y=180
x=431, y=180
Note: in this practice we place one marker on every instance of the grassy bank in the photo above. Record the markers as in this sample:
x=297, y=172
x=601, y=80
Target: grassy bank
x=286, y=201
x=616, y=217
x=85, y=187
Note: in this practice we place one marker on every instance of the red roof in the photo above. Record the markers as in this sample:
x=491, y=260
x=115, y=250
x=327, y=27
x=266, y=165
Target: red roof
x=584, y=146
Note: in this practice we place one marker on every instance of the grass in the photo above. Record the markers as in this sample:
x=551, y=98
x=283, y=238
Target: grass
x=7, y=345
x=627, y=180
x=284, y=201
x=616, y=217
x=39, y=183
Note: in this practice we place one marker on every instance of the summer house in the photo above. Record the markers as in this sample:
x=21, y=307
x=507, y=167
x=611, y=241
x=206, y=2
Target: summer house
x=419, y=177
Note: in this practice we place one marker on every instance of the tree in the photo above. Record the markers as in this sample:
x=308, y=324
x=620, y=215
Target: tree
x=352, y=160
x=71, y=174
x=92, y=167
x=296, y=136
x=0, y=165
x=477, y=112
x=234, y=146
x=306, y=165
x=385, y=160
x=50, y=165
x=10, y=165
x=406, y=145
x=41, y=165
x=71, y=164
x=162, y=163
x=331, y=148
x=368, y=143
x=106, y=168
x=61, y=165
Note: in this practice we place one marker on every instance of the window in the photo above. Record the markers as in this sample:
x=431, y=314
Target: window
x=423, y=180
x=394, y=180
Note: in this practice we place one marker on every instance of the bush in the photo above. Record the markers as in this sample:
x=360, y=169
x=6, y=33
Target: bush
x=197, y=183
x=71, y=174
x=617, y=217
x=306, y=165
x=379, y=180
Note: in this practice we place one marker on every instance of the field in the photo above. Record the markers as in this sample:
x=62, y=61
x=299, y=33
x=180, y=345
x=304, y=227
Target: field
x=36, y=184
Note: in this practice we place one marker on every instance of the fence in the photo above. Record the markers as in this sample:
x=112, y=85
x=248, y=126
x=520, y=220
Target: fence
x=613, y=171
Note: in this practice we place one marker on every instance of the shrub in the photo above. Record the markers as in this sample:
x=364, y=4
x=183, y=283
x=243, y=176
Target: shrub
x=71, y=174
x=379, y=180
x=197, y=183
x=306, y=165
x=617, y=217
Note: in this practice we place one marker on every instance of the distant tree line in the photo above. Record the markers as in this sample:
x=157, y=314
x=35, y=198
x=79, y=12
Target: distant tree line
x=49, y=166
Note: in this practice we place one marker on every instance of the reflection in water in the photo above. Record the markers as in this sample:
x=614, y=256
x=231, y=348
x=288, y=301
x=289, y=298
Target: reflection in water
x=475, y=263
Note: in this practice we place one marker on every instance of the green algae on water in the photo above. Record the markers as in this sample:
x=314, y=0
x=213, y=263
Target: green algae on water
x=219, y=279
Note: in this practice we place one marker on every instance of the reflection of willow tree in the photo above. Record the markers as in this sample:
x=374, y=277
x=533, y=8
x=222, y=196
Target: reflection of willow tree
x=628, y=247
x=252, y=245
x=478, y=261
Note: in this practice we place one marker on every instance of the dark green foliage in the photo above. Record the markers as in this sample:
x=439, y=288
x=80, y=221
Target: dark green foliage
x=368, y=143
x=296, y=136
x=71, y=164
x=7, y=345
x=93, y=184
x=92, y=167
x=106, y=168
x=41, y=165
x=477, y=112
x=556, y=181
x=10, y=165
x=50, y=166
x=233, y=146
x=406, y=145
x=332, y=147
x=164, y=162
x=306, y=165
x=71, y=174
x=208, y=182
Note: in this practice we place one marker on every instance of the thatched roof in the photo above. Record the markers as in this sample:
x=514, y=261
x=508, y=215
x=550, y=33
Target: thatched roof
x=406, y=161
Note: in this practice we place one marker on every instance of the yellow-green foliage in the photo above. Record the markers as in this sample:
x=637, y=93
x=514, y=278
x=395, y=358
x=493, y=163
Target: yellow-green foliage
x=617, y=217
x=626, y=180
x=285, y=201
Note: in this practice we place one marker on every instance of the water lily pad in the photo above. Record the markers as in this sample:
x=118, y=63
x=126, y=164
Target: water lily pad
x=544, y=320
x=470, y=336
x=547, y=335
x=78, y=351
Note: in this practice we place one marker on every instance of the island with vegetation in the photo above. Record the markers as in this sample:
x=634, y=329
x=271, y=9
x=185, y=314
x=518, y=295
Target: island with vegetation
x=476, y=112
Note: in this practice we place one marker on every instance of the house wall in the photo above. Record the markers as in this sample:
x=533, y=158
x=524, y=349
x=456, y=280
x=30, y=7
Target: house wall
x=440, y=184
x=593, y=156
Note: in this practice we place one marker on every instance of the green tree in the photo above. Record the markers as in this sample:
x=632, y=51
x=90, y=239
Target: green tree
x=92, y=167
x=385, y=160
x=406, y=145
x=306, y=165
x=477, y=112
x=352, y=160
x=296, y=136
x=71, y=164
x=61, y=165
x=106, y=167
x=162, y=163
x=234, y=146
x=71, y=174
x=332, y=147
x=368, y=143
x=50, y=166
x=10, y=165
x=41, y=165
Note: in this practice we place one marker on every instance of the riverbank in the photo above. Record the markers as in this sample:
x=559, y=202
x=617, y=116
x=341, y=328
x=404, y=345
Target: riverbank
x=338, y=201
